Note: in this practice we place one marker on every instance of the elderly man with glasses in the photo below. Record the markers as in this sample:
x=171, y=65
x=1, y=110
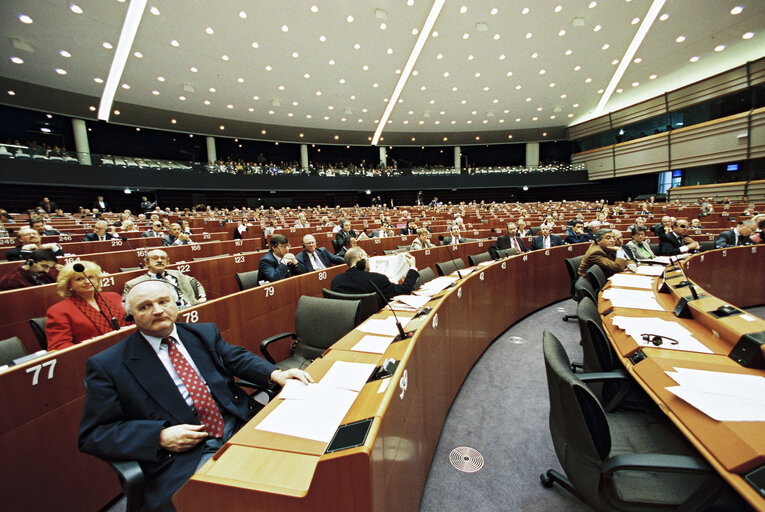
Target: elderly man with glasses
x=189, y=291
x=279, y=263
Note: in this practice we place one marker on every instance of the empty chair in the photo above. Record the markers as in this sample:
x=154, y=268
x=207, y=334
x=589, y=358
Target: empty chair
x=583, y=288
x=706, y=245
x=318, y=324
x=475, y=259
x=596, y=277
x=10, y=349
x=447, y=267
x=38, y=328
x=370, y=302
x=618, y=461
x=655, y=249
x=247, y=280
x=426, y=274
x=572, y=267
x=404, y=247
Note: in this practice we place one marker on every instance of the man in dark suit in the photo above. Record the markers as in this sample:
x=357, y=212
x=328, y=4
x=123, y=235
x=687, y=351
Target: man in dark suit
x=578, y=234
x=146, y=205
x=47, y=205
x=737, y=236
x=358, y=278
x=343, y=237
x=101, y=205
x=39, y=226
x=154, y=231
x=677, y=241
x=316, y=258
x=99, y=233
x=545, y=240
x=279, y=262
x=165, y=396
x=509, y=241
x=176, y=236
x=454, y=238
x=410, y=229
x=664, y=227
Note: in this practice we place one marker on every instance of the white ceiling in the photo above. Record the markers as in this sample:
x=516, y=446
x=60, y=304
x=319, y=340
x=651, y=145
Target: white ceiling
x=517, y=74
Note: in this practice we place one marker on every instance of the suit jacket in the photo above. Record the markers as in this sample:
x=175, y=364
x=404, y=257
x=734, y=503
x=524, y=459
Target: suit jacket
x=342, y=238
x=50, y=209
x=169, y=240
x=448, y=240
x=20, y=278
x=355, y=280
x=131, y=398
x=272, y=270
x=728, y=239
x=16, y=254
x=659, y=230
x=104, y=208
x=185, y=288
x=407, y=231
x=66, y=325
x=92, y=237
x=631, y=249
x=573, y=238
x=327, y=258
x=669, y=245
x=504, y=242
x=608, y=262
x=150, y=233
x=538, y=242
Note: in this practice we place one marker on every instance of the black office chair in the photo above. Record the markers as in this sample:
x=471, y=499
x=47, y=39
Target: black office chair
x=655, y=249
x=706, y=245
x=318, y=324
x=618, y=461
x=10, y=349
x=475, y=259
x=426, y=274
x=404, y=247
x=370, y=302
x=247, y=280
x=38, y=328
x=132, y=483
x=596, y=277
x=447, y=267
x=572, y=266
x=583, y=288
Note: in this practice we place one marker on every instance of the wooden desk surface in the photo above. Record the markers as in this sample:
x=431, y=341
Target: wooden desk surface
x=732, y=448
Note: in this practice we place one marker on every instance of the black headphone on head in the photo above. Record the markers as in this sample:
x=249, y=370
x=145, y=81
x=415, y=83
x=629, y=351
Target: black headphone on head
x=361, y=264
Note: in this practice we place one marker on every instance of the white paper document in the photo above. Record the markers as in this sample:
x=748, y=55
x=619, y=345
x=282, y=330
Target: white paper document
x=346, y=375
x=669, y=331
x=373, y=344
x=632, y=281
x=381, y=326
x=393, y=266
x=633, y=299
x=412, y=302
x=720, y=395
x=650, y=270
x=436, y=285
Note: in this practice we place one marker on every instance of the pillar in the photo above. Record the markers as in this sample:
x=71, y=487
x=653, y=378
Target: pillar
x=383, y=156
x=457, y=159
x=81, y=141
x=532, y=154
x=212, y=155
x=304, y=157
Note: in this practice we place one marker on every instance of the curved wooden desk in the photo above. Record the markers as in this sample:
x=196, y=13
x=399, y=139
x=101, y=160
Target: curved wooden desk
x=734, y=449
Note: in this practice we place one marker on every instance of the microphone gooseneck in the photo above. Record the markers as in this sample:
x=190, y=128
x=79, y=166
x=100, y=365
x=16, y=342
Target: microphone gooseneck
x=402, y=335
x=140, y=262
x=79, y=267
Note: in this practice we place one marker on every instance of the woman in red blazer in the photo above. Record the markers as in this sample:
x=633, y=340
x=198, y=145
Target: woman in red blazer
x=82, y=314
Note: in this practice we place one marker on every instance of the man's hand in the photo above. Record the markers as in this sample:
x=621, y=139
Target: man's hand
x=289, y=259
x=181, y=438
x=410, y=260
x=281, y=376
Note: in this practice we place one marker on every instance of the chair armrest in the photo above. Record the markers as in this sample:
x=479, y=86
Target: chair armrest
x=266, y=342
x=576, y=366
x=132, y=482
x=655, y=462
x=271, y=392
x=603, y=376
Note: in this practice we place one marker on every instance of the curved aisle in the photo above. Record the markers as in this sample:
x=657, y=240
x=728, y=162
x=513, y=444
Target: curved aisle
x=260, y=470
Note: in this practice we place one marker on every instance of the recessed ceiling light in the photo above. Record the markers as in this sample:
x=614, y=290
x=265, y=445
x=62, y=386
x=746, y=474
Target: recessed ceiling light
x=240, y=80
x=465, y=36
x=434, y=33
x=229, y=106
x=496, y=37
x=342, y=80
x=528, y=99
x=571, y=115
x=509, y=73
x=619, y=91
x=525, y=10
x=563, y=96
x=463, y=9
x=256, y=98
x=518, y=87
x=664, y=17
x=281, y=88
x=576, y=105
x=539, y=109
x=66, y=54
x=314, y=8
x=126, y=86
x=596, y=28
x=221, y=127
x=255, y=44
x=356, y=46
x=593, y=5
x=209, y=31
x=635, y=21
x=562, y=33
x=295, y=55
x=529, y=35
x=587, y=80
x=558, y=8
x=116, y=113
x=389, y=51
x=470, y=57
x=349, y=19
x=224, y=57
x=440, y=56
x=138, y=55
x=637, y=60
x=212, y=89
x=477, y=74
x=446, y=74
x=175, y=43
x=535, y=118
x=748, y=35
x=92, y=108
x=173, y=121
x=635, y=84
x=568, y=52
x=182, y=98
x=154, y=11
x=160, y=79
x=98, y=80
x=542, y=71
x=719, y=47
x=615, y=62
x=155, y=93
x=486, y=88
x=493, y=11
x=243, y=15
x=737, y=10
x=652, y=77
x=268, y=68
x=502, y=57
x=23, y=18
x=454, y=89
x=60, y=71
x=75, y=8
x=193, y=69
x=463, y=101
x=318, y=93
x=600, y=91
x=680, y=39
x=107, y=45
x=577, y=68
x=365, y=67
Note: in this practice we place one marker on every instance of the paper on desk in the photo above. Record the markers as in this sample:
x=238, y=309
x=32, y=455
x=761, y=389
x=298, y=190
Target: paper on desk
x=393, y=266
x=413, y=301
x=347, y=375
x=633, y=299
x=722, y=383
x=637, y=326
x=650, y=270
x=310, y=419
x=382, y=326
x=373, y=344
x=436, y=285
x=632, y=281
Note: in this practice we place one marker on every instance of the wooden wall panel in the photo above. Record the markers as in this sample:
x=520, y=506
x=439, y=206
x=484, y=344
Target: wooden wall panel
x=642, y=156
x=710, y=143
x=599, y=162
x=757, y=134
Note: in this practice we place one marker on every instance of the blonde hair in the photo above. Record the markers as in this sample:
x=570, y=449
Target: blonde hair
x=66, y=274
x=422, y=231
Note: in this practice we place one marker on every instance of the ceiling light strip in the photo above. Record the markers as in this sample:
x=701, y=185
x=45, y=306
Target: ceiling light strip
x=125, y=43
x=435, y=10
x=632, y=49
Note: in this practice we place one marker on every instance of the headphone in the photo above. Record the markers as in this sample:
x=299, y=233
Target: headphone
x=361, y=264
x=30, y=262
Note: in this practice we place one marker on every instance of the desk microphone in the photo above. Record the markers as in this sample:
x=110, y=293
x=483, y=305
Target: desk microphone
x=402, y=335
x=685, y=277
x=125, y=239
x=455, y=266
x=79, y=267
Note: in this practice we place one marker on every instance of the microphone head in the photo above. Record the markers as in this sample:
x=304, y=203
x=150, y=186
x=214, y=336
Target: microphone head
x=78, y=267
x=123, y=238
x=440, y=238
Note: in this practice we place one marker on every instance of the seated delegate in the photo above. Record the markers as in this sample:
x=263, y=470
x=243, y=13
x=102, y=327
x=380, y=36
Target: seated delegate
x=157, y=261
x=358, y=278
x=279, y=263
x=82, y=314
x=35, y=271
x=422, y=241
x=313, y=257
x=602, y=253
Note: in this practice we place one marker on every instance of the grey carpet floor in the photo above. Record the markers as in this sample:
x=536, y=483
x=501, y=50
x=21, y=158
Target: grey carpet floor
x=502, y=411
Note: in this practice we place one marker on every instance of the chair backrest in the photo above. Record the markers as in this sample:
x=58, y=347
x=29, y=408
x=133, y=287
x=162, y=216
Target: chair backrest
x=370, y=302
x=321, y=322
x=445, y=268
x=655, y=248
x=10, y=349
x=426, y=274
x=583, y=288
x=597, y=353
x=596, y=277
x=247, y=280
x=38, y=328
x=534, y=230
x=572, y=266
x=404, y=247
x=706, y=245
x=578, y=425
x=475, y=259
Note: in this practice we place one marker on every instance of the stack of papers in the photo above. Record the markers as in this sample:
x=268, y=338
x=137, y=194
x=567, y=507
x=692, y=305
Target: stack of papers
x=633, y=299
x=436, y=285
x=409, y=302
x=650, y=270
x=373, y=344
x=637, y=326
x=721, y=396
x=381, y=326
x=314, y=411
x=632, y=281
